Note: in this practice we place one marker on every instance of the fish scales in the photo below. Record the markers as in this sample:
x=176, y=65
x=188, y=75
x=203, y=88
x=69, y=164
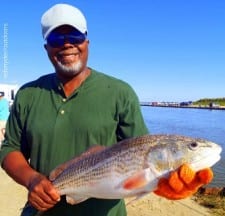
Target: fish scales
x=136, y=162
x=82, y=169
x=123, y=152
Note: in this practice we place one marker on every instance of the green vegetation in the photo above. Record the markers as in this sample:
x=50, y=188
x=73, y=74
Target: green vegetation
x=207, y=101
x=215, y=203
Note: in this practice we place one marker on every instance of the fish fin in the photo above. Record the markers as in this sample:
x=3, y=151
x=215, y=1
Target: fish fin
x=54, y=173
x=58, y=170
x=136, y=181
x=75, y=199
x=139, y=196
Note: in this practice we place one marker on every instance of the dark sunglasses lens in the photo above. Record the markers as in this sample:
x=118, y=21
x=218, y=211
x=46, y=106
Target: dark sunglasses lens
x=57, y=40
x=78, y=39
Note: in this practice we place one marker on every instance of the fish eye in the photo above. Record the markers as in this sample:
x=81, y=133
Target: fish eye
x=193, y=145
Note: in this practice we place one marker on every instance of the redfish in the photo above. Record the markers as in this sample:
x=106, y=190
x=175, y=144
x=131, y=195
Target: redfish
x=130, y=168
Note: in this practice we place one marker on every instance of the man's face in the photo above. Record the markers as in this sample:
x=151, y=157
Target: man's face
x=68, y=50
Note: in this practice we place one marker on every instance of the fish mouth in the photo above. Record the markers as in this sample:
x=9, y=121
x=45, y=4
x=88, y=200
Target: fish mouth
x=208, y=161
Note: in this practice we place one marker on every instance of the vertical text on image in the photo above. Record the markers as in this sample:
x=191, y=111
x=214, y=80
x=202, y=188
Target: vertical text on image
x=5, y=50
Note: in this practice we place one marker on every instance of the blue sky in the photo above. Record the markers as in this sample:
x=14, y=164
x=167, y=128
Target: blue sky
x=167, y=50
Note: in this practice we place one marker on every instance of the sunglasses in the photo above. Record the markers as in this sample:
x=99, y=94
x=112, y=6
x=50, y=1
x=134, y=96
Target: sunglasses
x=57, y=40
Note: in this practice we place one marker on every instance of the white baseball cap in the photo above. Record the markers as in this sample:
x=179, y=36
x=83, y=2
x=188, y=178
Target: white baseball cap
x=62, y=14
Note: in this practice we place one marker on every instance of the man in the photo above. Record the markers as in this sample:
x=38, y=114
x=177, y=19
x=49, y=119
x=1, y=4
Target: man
x=4, y=113
x=60, y=115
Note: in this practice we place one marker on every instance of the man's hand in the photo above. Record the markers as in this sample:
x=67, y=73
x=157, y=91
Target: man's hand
x=42, y=194
x=183, y=183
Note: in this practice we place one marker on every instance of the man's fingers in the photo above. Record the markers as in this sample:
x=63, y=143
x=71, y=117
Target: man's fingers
x=183, y=182
x=42, y=194
x=53, y=193
x=175, y=183
x=205, y=175
x=39, y=203
x=186, y=173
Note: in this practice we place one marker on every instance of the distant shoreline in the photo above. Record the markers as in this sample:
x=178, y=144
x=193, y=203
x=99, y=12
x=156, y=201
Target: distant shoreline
x=187, y=107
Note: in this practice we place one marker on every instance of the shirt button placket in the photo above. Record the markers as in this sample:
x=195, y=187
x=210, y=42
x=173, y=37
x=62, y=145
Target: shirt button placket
x=63, y=111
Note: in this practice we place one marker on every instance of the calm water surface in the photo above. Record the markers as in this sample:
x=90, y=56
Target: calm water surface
x=207, y=124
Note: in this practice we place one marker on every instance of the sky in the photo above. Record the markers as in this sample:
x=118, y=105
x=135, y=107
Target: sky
x=167, y=50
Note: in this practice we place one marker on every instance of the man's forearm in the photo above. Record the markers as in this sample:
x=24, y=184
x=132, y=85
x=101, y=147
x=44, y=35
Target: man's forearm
x=18, y=168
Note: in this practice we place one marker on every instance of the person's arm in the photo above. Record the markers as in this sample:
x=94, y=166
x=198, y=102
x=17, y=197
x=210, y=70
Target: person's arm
x=42, y=194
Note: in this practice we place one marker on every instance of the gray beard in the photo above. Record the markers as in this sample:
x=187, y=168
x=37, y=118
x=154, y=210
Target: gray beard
x=70, y=70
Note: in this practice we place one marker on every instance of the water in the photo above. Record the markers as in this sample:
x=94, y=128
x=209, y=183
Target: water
x=207, y=124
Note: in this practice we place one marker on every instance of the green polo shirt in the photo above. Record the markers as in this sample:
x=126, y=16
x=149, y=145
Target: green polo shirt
x=50, y=128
